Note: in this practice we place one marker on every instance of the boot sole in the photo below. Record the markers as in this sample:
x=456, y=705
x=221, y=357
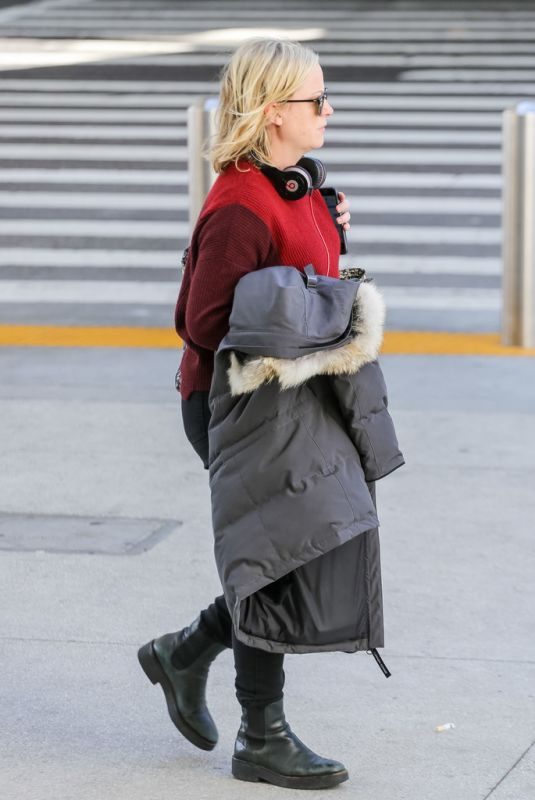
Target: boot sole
x=155, y=673
x=244, y=771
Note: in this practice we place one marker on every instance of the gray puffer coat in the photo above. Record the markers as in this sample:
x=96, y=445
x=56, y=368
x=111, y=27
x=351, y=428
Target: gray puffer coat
x=299, y=433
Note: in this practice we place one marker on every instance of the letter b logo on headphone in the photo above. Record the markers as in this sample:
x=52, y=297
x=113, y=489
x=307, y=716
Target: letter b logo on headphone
x=293, y=183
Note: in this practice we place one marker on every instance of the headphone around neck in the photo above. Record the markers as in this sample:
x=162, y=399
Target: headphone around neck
x=293, y=183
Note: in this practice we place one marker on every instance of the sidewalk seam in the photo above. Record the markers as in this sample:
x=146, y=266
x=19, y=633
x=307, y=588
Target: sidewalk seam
x=517, y=762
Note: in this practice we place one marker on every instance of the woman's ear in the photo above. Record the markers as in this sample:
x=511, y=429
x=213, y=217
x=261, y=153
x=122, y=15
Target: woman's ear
x=272, y=113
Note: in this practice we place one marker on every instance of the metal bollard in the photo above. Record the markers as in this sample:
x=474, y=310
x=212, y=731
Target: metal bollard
x=518, y=315
x=201, y=126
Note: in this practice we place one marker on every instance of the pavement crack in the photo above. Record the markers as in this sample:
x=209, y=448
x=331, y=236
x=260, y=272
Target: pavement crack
x=517, y=762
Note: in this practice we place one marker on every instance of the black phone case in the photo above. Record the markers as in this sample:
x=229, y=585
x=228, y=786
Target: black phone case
x=330, y=196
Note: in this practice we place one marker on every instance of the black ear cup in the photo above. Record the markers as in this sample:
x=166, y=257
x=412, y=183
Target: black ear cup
x=316, y=170
x=293, y=183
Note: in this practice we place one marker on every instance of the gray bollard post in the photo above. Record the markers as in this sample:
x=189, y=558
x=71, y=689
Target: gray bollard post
x=201, y=126
x=518, y=314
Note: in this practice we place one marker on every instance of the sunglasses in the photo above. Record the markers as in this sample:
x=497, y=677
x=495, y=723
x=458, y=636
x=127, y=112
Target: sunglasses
x=318, y=100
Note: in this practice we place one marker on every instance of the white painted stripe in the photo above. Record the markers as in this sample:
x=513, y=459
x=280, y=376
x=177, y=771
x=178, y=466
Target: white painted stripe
x=104, y=116
x=176, y=133
x=174, y=230
x=230, y=37
x=167, y=87
x=428, y=86
x=384, y=102
x=195, y=88
x=66, y=99
x=442, y=299
x=160, y=202
x=407, y=155
x=165, y=17
x=471, y=75
x=346, y=155
x=414, y=119
x=458, y=12
x=340, y=101
x=386, y=119
x=174, y=202
x=407, y=234
x=89, y=292
x=342, y=60
x=413, y=265
x=83, y=259
x=98, y=175
x=445, y=47
x=179, y=133
x=478, y=206
x=403, y=180
x=381, y=136
x=94, y=152
x=165, y=259
x=232, y=21
x=414, y=180
x=164, y=293
x=102, y=228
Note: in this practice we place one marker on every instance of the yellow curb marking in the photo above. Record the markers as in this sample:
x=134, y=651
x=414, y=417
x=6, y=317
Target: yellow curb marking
x=395, y=342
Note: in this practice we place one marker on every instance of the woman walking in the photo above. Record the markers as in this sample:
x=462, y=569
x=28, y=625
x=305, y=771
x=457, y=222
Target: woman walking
x=297, y=420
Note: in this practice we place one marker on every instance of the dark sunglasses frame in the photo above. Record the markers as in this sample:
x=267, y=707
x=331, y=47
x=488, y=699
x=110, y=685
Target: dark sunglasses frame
x=318, y=100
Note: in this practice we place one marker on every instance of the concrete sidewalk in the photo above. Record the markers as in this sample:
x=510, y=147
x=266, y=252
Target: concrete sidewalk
x=97, y=434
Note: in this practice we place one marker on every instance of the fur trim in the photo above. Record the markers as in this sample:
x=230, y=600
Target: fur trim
x=363, y=347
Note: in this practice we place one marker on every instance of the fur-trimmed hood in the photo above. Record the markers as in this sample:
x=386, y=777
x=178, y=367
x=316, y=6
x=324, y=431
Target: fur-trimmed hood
x=291, y=326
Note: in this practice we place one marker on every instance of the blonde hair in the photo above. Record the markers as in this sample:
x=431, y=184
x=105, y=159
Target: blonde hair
x=261, y=71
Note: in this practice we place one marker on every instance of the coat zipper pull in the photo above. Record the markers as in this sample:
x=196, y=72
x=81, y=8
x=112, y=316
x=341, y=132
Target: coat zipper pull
x=384, y=669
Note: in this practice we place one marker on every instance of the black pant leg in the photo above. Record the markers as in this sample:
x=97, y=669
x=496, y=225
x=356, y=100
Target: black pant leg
x=196, y=415
x=259, y=674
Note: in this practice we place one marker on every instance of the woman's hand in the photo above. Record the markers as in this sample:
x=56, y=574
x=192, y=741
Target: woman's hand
x=343, y=211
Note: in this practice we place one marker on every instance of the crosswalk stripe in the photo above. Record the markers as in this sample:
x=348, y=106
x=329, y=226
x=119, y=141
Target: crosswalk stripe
x=428, y=265
x=100, y=228
x=406, y=155
x=98, y=258
x=341, y=101
x=351, y=60
x=164, y=293
x=145, y=201
x=385, y=119
x=420, y=234
x=45, y=175
x=119, y=292
x=170, y=154
x=179, y=133
x=169, y=259
x=363, y=180
x=230, y=18
x=382, y=136
x=230, y=36
x=442, y=299
x=190, y=89
x=175, y=202
x=94, y=152
x=175, y=133
x=137, y=229
x=488, y=74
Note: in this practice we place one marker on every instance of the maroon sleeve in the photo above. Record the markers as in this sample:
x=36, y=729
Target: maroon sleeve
x=230, y=242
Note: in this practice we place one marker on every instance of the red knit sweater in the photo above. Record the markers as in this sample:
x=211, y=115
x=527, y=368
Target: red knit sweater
x=244, y=225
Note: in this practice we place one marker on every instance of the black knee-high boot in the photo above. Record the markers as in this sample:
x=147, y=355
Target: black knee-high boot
x=266, y=748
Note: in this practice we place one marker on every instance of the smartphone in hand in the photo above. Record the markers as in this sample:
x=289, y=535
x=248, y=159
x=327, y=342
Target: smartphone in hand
x=330, y=196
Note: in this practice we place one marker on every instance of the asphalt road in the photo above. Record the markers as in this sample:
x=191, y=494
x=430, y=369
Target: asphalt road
x=93, y=170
